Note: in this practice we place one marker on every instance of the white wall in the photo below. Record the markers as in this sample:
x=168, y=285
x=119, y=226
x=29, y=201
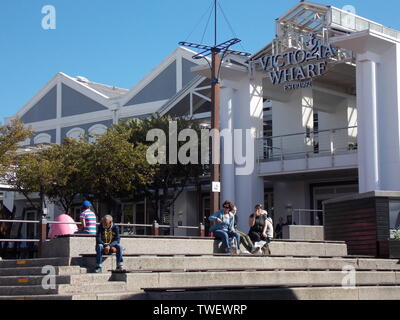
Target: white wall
x=336, y=118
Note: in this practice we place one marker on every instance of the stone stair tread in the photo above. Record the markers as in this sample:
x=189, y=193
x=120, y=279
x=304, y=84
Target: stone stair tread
x=21, y=263
x=261, y=286
x=92, y=288
x=37, y=270
x=38, y=297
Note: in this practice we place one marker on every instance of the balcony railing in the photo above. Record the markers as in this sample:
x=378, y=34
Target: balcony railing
x=308, y=144
x=354, y=23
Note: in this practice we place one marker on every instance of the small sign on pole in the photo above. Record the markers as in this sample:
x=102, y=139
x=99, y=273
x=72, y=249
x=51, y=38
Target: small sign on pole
x=216, y=186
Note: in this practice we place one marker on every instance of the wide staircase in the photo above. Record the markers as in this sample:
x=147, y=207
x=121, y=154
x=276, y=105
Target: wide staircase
x=295, y=270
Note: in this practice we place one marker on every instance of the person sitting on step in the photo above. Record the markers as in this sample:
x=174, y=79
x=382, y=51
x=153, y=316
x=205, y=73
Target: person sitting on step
x=259, y=224
x=223, y=226
x=268, y=233
x=108, y=241
x=244, y=238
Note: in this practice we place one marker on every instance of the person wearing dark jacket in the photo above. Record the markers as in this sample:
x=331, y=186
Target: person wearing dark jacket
x=107, y=240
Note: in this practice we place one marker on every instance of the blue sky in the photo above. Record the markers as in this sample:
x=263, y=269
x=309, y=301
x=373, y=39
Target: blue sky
x=118, y=42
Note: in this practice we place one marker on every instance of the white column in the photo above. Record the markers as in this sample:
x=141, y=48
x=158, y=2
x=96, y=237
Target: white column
x=368, y=163
x=226, y=125
x=388, y=97
x=248, y=115
x=59, y=111
x=307, y=122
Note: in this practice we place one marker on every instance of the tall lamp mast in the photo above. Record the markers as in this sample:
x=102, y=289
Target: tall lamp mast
x=217, y=52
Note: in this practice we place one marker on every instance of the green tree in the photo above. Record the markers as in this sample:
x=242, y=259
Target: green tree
x=69, y=171
x=118, y=168
x=169, y=179
x=31, y=174
x=10, y=137
x=107, y=169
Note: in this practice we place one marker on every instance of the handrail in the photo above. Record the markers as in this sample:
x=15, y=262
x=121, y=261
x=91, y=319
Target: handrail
x=19, y=240
x=308, y=210
x=20, y=221
x=299, y=213
x=98, y=223
x=303, y=133
x=43, y=233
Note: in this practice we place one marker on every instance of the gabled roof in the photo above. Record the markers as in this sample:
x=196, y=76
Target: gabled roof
x=100, y=93
x=180, y=95
x=111, y=92
x=176, y=55
x=110, y=96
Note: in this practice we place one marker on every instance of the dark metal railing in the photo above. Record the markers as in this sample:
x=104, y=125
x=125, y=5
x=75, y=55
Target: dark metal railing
x=44, y=223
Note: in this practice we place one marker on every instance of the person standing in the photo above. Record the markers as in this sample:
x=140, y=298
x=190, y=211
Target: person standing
x=223, y=226
x=279, y=229
x=88, y=219
x=289, y=221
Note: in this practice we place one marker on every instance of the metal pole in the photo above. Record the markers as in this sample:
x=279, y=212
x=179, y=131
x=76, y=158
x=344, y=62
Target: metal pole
x=215, y=23
x=42, y=236
x=215, y=117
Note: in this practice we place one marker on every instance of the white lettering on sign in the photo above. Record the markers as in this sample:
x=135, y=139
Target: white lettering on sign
x=298, y=65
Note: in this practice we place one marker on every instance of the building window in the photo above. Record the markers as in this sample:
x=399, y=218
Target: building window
x=76, y=133
x=267, y=132
x=26, y=142
x=42, y=138
x=95, y=131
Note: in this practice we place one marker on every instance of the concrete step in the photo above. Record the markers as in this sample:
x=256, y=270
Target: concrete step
x=132, y=295
x=30, y=280
x=26, y=271
x=30, y=290
x=66, y=279
x=245, y=262
x=76, y=246
x=36, y=297
x=321, y=293
x=91, y=278
x=24, y=263
x=64, y=289
x=92, y=288
x=137, y=281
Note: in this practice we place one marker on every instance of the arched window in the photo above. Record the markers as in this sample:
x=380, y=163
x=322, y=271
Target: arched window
x=42, y=138
x=76, y=133
x=95, y=130
x=26, y=142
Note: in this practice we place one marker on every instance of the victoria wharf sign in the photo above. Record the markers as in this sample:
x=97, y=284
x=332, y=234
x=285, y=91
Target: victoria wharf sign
x=298, y=65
